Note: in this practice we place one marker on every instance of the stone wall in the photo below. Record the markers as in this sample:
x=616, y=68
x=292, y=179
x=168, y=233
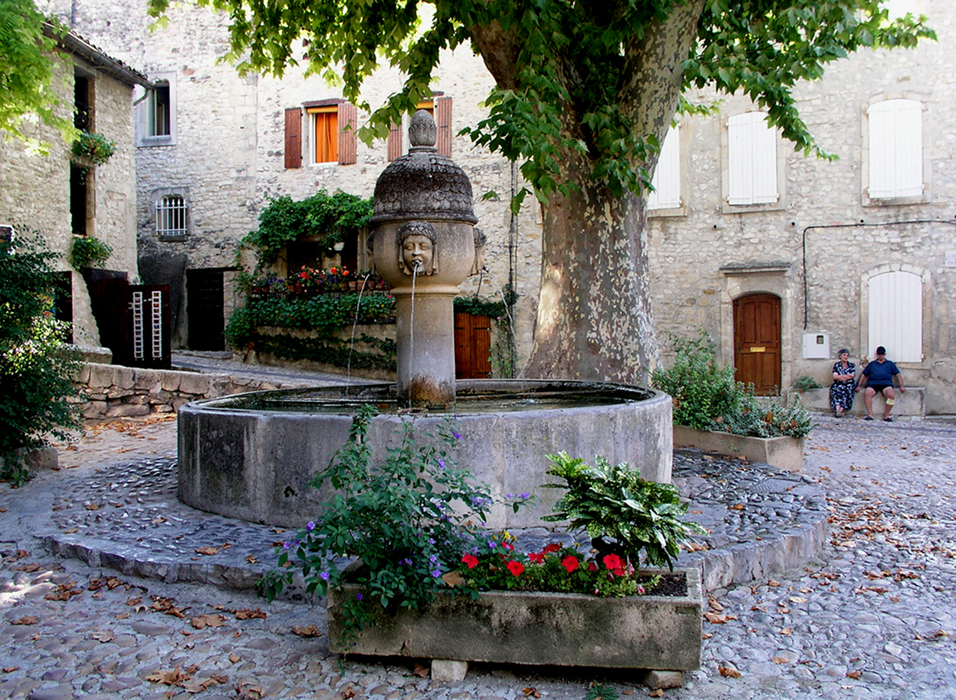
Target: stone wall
x=112, y=391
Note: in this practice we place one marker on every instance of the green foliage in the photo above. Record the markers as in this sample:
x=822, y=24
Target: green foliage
x=706, y=396
x=621, y=512
x=27, y=58
x=35, y=365
x=701, y=389
x=805, y=383
x=366, y=353
x=570, y=75
x=764, y=417
x=599, y=691
x=95, y=147
x=327, y=219
x=87, y=251
x=407, y=517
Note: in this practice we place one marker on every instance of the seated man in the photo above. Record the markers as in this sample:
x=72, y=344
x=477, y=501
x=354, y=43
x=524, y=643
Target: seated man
x=878, y=378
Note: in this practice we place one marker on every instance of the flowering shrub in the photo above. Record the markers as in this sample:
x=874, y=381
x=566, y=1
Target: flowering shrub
x=556, y=568
x=409, y=518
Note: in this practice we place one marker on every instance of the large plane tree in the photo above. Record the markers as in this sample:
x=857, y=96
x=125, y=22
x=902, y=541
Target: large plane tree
x=585, y=92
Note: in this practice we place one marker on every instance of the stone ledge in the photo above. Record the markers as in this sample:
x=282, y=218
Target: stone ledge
x=910, y=404
x=782, y=452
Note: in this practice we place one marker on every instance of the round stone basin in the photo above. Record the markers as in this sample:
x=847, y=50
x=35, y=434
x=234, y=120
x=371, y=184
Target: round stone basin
x=251, y=456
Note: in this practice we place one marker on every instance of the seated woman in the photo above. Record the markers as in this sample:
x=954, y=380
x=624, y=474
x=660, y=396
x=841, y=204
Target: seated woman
x=844, y=384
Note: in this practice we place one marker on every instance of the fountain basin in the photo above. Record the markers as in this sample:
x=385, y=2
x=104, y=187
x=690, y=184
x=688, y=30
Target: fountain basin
x=251, y=456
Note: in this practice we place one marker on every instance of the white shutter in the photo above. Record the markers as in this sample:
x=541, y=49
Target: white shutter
x=751, y=160
x=896, y=315
x=896, y=149
x=666, y=181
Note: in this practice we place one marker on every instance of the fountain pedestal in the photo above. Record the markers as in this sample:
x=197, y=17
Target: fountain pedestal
x=424, y=244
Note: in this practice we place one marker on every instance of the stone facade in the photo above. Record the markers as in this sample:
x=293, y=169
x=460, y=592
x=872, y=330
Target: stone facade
x=35, y=189
x=228, y=157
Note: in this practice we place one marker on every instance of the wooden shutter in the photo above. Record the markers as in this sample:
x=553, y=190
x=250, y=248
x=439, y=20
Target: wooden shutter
x=896, y=315
x=347, y=140
x=666, y=182
x=752, y=159
x=394, y=143
x=896, y=149
x=293, y=138
x=443, y=122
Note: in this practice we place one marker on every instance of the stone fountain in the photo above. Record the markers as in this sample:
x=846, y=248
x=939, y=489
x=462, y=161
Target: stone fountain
x=252, y=456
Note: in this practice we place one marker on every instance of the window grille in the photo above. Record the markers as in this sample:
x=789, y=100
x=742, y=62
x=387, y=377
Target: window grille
x=171, y=216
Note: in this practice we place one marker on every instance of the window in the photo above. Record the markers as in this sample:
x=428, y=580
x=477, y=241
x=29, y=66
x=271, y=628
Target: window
x=330, y=137
x=752, y=160
x=895, y=132
x=172, y=214
x=666, y=182
x=156, y=112
x=896, y=315
x=900, y=8
x=440, y=109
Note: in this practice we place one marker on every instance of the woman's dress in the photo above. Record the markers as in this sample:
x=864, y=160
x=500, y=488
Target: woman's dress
x=842, y=391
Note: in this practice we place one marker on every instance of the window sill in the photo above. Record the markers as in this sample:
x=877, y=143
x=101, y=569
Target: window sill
x=172, y=237
x=727, y=208
x=149, y=141
x=893, y=201
x=665, y=213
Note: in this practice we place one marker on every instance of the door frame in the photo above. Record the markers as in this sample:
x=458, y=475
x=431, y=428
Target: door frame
x=740, y=346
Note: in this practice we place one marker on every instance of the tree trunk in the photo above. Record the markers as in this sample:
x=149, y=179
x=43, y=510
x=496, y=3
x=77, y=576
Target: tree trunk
x=594, y=313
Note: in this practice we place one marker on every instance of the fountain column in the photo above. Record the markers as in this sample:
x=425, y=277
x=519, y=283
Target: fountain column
x=424, y=244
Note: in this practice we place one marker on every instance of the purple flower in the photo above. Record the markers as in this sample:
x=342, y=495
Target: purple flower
x=431, y=540
x=492, y=544
x=436, y=573
x=508, y=496
x=324, y=576
x=433, y=558
x=286, y=544
x=441, y=463
x=358, y=596
x=310, y=527
x=456, y=434
x=526, y=495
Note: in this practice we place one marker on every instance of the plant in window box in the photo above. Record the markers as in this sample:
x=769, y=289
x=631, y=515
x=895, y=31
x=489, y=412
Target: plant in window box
x=87, y=252
x=94, y=147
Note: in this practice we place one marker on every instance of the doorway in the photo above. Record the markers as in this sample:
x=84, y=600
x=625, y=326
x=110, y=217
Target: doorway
x=757, y=346
x=205, y=309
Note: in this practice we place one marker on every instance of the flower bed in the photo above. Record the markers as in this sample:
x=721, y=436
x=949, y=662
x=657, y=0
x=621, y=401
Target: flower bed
x=782, y=452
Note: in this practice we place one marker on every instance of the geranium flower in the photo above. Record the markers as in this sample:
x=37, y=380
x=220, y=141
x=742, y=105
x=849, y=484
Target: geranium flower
x=612, y=562
x=536, y=557
x=592, y=566
x=570, y=563
x=516, y=568
x=471, y=560
x=551, y=548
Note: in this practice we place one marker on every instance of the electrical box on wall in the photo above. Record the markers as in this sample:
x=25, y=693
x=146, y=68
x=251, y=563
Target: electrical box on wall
x=816, y=346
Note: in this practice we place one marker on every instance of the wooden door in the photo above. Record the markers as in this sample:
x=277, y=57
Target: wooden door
x=757, y=342
x=472, y=346
x=109, y=299
x=205, y=309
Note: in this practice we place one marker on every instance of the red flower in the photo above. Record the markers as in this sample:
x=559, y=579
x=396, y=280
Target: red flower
x=592, y=566
x=507, y=545
x=551, y=548
x=570, y=563
x=536, y=558
x=612, y=562
x=516, y=568
x=471, y=560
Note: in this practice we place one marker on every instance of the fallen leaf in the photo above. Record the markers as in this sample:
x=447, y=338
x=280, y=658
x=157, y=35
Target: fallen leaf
x=202, y=621
x=134, y=601
x=29, y=568
x=208, y=551
x=234, y=658
x=718, y=619
x=773, y=584
x=659, y=693
x=310, y=631
x=531, y=692
x=167, y=606
x=453, y=578
x=103, y=636
x=246, y=614
x=122, y=616
x=71, y=531
x=739, y=506
x=729, y=672
x=855, y=675
x=27, y=620
x=92, y=506
x=349, y=693
x=63, y=592
x=173, y=677
x=797, y=599
x=706, y=635
x=420, y=671
x=10, y=669
x=780, y=659
x=787, y=631
x=251, y=559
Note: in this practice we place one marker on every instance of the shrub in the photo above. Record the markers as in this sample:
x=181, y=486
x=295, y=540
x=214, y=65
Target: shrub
x=764, y=417
x=87, y=251
x=35, y=365
x=701, y=389
x=95, y=147
x=805, y=383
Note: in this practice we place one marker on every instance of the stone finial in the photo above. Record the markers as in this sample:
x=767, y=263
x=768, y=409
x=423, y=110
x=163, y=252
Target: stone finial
x=422, y=130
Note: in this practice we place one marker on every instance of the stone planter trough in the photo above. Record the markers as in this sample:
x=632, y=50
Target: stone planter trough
x=661, y=633
x=782, y=452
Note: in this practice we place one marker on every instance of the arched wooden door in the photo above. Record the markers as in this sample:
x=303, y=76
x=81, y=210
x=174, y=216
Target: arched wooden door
x=757, y=342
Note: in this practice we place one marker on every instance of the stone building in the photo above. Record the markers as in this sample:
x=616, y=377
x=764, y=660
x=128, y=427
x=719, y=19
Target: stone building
x=61, y=195
x=782, y=258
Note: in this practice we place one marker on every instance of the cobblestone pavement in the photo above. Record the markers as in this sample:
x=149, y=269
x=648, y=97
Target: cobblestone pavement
x=871, y=619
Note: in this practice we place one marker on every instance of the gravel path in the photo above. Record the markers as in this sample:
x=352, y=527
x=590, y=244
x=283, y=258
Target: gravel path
x=872, y=619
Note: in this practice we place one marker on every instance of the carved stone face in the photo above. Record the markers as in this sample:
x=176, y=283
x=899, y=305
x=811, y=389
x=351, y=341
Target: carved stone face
x=418, y=253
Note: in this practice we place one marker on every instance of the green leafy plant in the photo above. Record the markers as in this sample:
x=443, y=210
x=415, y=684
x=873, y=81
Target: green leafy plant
x=700, y=388
x=324, y=218
x=764, y=417
x=94, y=147
x=409, y=518
x=88, y=251
x=622, y=513
x=36, y=367
x=805, y=383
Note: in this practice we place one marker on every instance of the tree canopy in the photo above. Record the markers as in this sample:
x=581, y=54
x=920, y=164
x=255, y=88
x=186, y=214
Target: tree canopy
x=26, y=70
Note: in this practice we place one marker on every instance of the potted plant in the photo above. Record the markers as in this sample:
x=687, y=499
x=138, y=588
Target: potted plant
x=429, y=582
